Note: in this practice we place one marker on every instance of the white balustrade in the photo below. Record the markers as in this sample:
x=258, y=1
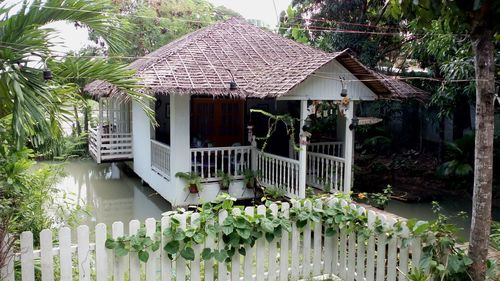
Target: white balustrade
x=109, y=146
x=160, y=158
x=279, y=172
x=328, y=148
x=325, y=172
x=208, y=161
x=80, y=254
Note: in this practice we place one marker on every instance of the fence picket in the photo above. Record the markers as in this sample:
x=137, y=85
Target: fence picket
x=27, y=257
x=317, y=243
x=360, y=252
x=306, y=266
x=119, y=262
x=370, y=249
x=65, y=258
x=381, y=253
x=195, y=265
x=209, y=264
x=284, y=246
x=328, y=248
x=248, y=262
x=273, y=248
x=295, y=247
x=180, y=262
x=403, y=254
x=351, y=252
x=165, y=262
x=222, y=268
x=46, y=259
x=260, y=251
x=392, y=251
x=134, y=263
x=235, y=260
x=416, y=252
x=101, y=257
x=7, y=272
x=153, y=256
x=82, y=233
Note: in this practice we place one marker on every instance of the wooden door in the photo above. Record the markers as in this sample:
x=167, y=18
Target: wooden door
x=218, y=121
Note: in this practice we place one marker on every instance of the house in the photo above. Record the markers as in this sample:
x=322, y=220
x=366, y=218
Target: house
x=205, y=85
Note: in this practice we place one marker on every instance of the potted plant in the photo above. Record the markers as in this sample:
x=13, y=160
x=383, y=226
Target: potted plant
x=249, y=178
x=225, y=180
x=193, y=181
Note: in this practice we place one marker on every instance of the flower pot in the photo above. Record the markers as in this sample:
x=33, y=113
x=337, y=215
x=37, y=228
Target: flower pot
x=193, y=188
x=251, y=183
x=224, y=187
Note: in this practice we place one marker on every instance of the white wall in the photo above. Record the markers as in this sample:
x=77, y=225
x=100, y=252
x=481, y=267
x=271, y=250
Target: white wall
x=321, y=88
x=141, y=135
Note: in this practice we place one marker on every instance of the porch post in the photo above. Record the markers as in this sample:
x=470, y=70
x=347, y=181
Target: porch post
x=348, y=147
x=303, y=150
x=180, y=152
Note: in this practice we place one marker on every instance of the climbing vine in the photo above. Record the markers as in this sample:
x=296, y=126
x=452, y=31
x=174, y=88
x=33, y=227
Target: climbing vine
x=239, y=231
x=273, y=121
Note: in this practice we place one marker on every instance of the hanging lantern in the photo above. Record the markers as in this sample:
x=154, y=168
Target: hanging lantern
x=354, y=123
x=47, y=74
x=307, y=125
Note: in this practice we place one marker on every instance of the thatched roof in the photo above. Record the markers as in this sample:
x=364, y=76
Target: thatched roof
x=262, y=63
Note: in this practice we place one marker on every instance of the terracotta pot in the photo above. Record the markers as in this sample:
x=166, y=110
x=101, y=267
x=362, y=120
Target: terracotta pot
x=251, y=184
x=193, y=188
x=223, y=187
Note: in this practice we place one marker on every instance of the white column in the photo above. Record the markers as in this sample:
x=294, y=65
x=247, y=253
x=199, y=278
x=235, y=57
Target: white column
x=180, y=154
x=303, y=150
x=348, y=147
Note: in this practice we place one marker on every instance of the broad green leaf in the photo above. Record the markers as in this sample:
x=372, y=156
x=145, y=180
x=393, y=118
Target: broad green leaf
x=143, y=256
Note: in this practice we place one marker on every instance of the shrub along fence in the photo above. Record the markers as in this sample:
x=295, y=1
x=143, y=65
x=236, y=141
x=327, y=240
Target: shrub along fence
x=281, y=241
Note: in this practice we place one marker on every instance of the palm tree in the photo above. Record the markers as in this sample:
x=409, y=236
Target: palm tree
x=30, y=104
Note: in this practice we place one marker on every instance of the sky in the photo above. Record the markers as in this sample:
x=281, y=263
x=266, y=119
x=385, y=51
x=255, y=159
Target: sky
x=74, y=39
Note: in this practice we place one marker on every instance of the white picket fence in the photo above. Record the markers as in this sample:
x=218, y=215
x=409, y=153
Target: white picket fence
x=279, y=172
x=300, y=254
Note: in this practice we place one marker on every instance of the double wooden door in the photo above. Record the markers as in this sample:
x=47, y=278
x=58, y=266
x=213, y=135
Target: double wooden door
x=219, y=122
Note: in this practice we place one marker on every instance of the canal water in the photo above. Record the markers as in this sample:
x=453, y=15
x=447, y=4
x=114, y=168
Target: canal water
x=449, y=207
x=111, y=192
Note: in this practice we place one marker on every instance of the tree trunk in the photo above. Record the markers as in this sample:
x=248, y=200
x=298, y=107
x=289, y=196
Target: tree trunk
x=77, y=121
x=483, y=166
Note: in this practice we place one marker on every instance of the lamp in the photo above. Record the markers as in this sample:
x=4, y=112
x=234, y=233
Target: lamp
x=232, y=83
x=343, y=92
x=354, y=123
x=47, y=74
x=307, y=125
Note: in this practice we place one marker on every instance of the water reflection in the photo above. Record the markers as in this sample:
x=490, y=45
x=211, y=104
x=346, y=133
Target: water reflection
x=111, y=193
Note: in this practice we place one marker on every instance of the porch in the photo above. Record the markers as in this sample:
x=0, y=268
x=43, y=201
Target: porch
x=110, y=139
x=325, y=166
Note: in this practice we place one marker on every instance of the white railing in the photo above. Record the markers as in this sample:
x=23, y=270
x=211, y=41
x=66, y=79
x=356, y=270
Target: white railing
x=278, y=171
x=109, y=147
x=160, y=158
x=302, y=254
x=207, y=162
x=328, y=148
x=325, y=172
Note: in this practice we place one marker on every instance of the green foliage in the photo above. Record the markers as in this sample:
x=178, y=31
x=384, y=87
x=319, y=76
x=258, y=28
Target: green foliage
x=154, y=24
x=191, y=178
x=29, y=200
x=273, y=121
x=378, y=200
x=495, y=235
x=240, y=230
x=274, y=193
x=460, y=157
x=359, y=18
x=140, y=243
x=250, y=178
x=225, y=180
x=32, y=105
x=67, y=147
